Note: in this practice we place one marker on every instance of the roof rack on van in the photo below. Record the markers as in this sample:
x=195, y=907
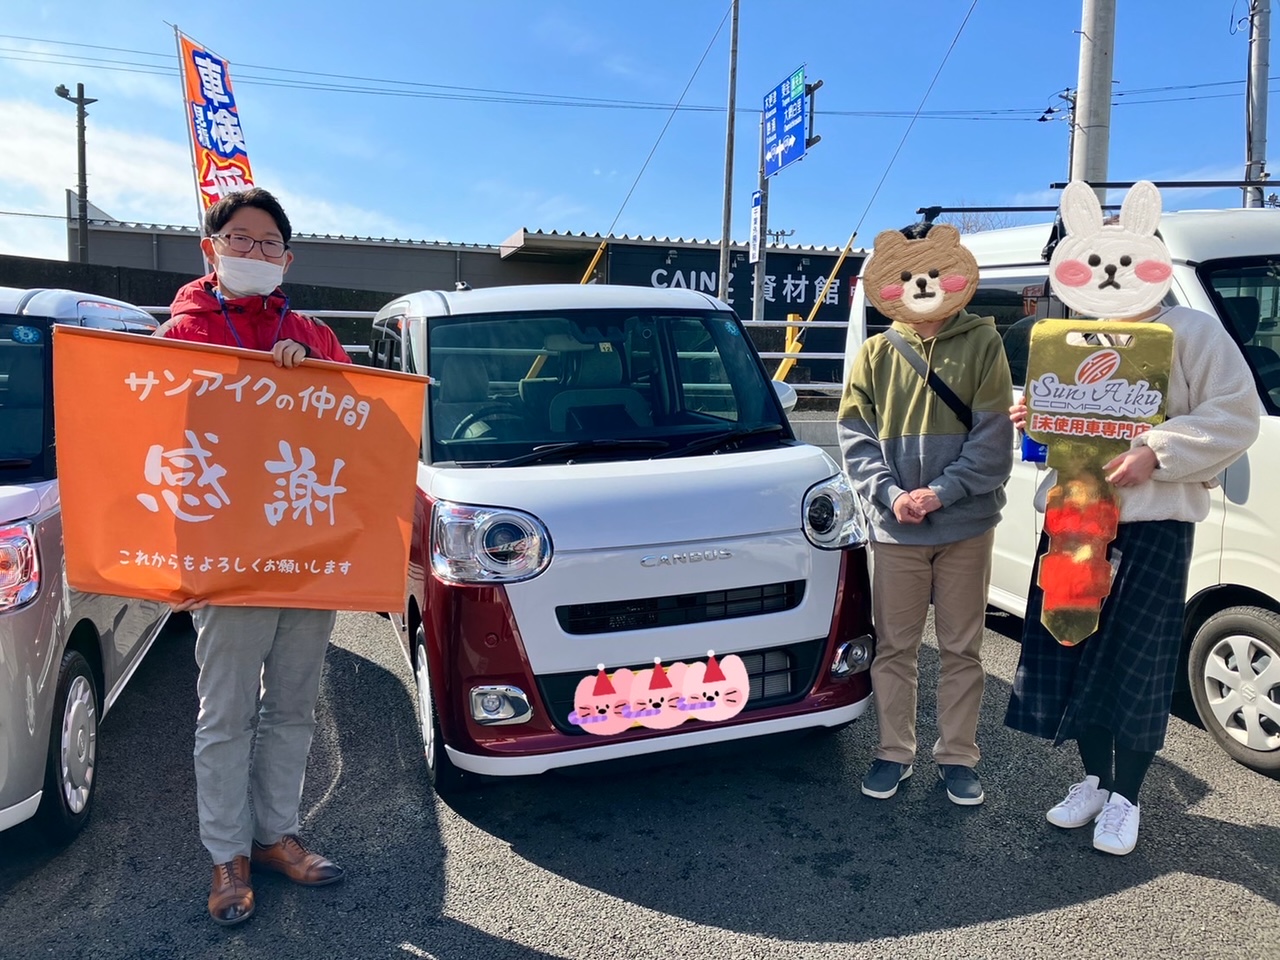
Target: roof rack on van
x=1057, y=230
x=931, y=213
x=1172, y=184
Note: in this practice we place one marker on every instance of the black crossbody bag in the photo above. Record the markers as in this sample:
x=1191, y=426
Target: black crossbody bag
x=921, y=366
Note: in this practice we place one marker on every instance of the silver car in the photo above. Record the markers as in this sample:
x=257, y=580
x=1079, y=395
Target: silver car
x=65, y=656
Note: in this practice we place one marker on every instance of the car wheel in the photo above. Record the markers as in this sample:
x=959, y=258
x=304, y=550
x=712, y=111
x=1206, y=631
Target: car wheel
x=71, y=762
x=1234, y=669
x=444, y=776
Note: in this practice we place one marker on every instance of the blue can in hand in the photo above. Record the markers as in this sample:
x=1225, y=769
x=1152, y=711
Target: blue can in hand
x=1032, y=451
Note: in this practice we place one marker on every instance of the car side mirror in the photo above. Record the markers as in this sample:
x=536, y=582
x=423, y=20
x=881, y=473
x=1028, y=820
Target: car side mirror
x=786, y=395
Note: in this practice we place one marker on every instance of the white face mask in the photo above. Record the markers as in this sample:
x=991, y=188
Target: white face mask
x=243, y=277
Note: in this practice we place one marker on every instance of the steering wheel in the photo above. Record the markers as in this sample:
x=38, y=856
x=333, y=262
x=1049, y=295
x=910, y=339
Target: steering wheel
x=500, y=411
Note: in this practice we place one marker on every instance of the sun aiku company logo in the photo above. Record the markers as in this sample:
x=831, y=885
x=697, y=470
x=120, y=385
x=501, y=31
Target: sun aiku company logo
x=1095, y=390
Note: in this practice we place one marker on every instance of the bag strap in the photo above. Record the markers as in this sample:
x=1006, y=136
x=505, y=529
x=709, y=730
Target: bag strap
x=935, y=382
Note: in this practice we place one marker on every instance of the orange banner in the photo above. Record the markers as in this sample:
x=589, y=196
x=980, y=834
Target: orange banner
x=213, y=121
x=190, y=471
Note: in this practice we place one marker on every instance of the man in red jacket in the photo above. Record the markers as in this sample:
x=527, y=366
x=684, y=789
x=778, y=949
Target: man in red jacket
x=254, y=661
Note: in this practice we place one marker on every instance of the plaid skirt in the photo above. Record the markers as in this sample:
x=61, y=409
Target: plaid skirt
x=1121, y=677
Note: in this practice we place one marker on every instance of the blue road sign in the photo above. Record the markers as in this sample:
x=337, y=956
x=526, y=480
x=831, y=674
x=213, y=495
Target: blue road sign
x=785, y=110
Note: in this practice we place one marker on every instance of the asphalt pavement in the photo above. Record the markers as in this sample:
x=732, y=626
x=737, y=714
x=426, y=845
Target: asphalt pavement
x=763, y=851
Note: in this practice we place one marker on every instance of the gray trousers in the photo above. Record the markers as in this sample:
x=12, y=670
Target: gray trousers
x=263, y=662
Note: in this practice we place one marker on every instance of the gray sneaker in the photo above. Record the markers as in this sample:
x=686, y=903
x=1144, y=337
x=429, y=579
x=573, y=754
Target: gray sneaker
x=963, y=785
x=883, y=778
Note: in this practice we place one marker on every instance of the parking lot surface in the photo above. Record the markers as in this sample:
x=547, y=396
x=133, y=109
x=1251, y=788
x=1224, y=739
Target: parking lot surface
x=766, y=850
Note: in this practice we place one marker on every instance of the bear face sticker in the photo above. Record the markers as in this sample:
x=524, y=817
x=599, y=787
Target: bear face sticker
x=920, y=281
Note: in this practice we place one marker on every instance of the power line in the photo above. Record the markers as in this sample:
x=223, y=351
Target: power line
x=671, y=117
x=423, y=90
x=906, y=133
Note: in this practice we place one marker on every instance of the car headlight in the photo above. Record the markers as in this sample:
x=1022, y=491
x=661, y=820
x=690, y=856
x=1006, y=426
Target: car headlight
x=19, y=566
x=486, y=544
x=832, y=516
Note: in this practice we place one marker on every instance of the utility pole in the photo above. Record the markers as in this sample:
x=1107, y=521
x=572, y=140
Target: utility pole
x=726, y=220
x=1255, y=164
x=757, y=291
x=1091, y=123
x=82, y=186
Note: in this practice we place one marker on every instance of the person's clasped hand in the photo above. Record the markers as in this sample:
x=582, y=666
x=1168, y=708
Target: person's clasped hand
x=926, y=499
x=907, y=510
x=288, y=353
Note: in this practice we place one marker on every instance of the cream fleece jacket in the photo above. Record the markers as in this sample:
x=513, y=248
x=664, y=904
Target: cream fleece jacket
x=1212, y=417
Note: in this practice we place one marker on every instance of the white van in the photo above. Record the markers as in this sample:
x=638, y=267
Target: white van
x=1226, y=263
x=609, y=490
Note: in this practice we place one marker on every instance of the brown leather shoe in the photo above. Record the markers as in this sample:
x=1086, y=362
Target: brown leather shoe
x=288, y=856
x=231, y=897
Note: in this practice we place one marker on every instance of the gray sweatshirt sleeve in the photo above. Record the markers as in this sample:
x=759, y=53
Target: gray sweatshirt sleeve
x=865, y=464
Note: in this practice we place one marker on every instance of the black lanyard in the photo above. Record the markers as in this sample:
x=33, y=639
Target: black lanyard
x=222, y=302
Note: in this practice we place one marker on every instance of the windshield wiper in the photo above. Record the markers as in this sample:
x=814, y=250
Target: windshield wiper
x=718, y=441
x=573, y=447
x=14, y=463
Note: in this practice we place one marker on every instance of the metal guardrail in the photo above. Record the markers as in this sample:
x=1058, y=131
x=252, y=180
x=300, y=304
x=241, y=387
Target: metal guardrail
x=833, y=389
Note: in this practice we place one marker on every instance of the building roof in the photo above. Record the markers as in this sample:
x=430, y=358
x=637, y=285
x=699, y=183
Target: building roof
x=543, y=244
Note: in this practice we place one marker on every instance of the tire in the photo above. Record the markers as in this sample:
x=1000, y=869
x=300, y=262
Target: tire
x=1234, y=670
x=446, y=778
x=70, y=776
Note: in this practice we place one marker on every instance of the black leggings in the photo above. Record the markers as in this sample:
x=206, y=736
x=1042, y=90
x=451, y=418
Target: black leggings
x=1098, y=751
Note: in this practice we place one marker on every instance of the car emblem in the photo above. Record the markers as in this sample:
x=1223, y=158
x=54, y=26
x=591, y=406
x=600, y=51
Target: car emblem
x=682, y=558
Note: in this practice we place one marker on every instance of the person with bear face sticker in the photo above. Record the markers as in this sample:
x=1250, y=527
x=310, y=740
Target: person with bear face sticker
x=1111, y=693
x=926, y=440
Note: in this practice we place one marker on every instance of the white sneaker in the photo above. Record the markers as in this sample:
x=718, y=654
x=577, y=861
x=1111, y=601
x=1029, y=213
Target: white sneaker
x=1117, y=829
x=1083, y=802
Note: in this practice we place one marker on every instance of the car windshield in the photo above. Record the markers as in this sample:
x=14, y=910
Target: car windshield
x=611, y=384
x=25, y=433
x=1248, y=291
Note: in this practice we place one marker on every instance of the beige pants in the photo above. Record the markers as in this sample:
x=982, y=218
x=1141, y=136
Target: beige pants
x=903, y=578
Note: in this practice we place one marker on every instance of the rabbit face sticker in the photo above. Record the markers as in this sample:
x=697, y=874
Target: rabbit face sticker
x=919, y=281
x=1111, y=271
x=600, y=702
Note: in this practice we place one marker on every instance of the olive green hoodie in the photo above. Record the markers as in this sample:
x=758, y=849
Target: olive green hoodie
x=898, y=435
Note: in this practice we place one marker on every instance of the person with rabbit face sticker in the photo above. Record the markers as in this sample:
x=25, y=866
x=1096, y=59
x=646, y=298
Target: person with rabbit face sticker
x=1111, y=693
x=926, y=441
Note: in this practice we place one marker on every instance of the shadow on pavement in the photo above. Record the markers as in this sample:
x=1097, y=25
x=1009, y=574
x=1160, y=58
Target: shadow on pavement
x=714, y=840
x=134, y=883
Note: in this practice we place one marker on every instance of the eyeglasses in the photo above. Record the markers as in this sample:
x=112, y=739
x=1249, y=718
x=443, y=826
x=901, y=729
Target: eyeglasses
x=239, y=243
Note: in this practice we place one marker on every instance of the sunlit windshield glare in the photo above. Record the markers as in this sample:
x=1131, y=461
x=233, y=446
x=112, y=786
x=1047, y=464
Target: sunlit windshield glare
x=505, y=384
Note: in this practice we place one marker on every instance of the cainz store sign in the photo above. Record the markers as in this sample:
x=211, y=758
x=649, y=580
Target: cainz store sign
x=793, y=281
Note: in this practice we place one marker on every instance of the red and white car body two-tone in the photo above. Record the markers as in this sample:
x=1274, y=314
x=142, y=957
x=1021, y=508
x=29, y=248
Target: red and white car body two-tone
x=618, y=546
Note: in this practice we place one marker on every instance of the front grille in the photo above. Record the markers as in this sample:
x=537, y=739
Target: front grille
x=778, y=675
x=615, y=616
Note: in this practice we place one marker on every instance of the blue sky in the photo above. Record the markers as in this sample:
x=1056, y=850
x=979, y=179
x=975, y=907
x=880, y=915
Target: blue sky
x=470, y=166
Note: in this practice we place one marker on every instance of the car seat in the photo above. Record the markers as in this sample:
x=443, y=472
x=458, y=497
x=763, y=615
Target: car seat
x=1244, y=314
x=596, y=398
x=464, y=389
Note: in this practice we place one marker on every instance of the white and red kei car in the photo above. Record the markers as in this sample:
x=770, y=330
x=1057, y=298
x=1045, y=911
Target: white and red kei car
x=619, y=547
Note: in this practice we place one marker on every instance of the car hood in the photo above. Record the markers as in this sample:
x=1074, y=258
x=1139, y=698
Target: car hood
x=18, y=501
x=592, y=506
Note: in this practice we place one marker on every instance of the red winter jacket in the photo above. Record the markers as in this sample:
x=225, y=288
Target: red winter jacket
x=196, y=315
